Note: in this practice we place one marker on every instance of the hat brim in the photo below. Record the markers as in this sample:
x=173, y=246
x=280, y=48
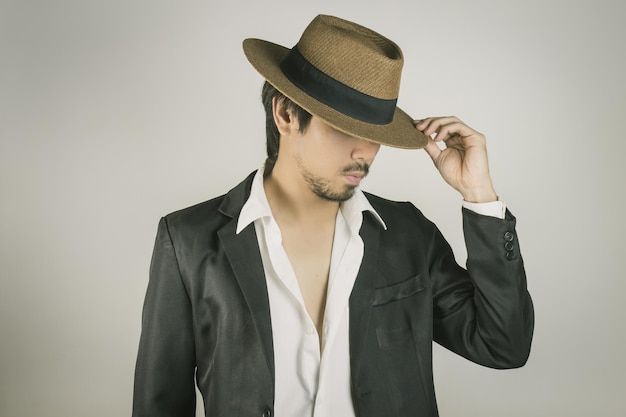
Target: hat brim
x=266, y=56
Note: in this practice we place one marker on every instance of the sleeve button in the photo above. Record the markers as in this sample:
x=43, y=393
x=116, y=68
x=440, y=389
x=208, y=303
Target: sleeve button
x=267, y=413
x=510, y=255
x=509, y=246
x=509, y=236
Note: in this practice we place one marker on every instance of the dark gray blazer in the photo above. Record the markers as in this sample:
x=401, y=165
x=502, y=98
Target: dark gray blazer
x=206, y=311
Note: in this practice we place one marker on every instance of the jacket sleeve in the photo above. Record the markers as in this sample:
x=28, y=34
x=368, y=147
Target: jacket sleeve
x=485, y=313
x=164, y=373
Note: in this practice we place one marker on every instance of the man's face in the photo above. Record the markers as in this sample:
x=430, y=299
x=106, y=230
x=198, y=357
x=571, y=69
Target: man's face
x=331, y=162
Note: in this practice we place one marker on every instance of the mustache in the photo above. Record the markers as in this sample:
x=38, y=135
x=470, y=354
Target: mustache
x=358, y=166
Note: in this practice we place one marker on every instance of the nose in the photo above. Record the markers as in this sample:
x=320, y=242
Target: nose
x=365, y=150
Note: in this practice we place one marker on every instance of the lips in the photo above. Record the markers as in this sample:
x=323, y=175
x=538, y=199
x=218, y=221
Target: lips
x=355, y=177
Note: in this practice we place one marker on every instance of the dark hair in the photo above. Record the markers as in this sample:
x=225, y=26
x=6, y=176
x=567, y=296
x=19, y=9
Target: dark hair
x=271, y=131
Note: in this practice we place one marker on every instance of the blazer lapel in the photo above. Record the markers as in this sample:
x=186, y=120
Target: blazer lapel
x=362, y=294
x=243, y=254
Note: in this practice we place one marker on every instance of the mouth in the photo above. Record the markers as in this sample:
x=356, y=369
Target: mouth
x=354, y=177
x=354, y=173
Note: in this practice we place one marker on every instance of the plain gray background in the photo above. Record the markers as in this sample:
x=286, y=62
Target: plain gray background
x=114, y=113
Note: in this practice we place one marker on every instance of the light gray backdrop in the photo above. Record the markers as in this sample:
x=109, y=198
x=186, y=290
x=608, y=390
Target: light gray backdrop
x=113, y=113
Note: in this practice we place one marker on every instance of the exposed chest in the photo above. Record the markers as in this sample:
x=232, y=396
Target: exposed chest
x=310, y=255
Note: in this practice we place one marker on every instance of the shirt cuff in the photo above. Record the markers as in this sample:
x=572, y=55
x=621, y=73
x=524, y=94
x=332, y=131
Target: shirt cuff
x=492, y=208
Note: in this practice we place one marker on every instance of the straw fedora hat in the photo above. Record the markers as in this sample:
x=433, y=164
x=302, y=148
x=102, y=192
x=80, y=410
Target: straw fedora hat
x=345, y=74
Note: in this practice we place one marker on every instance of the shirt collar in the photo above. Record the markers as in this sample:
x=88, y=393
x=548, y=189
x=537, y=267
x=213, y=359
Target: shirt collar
x=257, y=207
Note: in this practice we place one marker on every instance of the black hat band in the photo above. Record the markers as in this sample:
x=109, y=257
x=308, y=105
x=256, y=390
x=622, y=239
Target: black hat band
x=336, y=94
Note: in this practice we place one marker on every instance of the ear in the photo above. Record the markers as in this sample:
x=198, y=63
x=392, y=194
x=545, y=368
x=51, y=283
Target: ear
x=285, y=122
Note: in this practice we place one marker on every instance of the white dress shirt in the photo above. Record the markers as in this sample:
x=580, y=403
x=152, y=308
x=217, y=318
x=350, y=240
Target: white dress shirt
x=308, y=383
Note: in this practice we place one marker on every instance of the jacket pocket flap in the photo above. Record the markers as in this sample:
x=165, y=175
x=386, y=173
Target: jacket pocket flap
x=398, y=291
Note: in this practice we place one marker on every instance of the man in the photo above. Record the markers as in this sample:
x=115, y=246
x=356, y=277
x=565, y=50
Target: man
x=297, y=294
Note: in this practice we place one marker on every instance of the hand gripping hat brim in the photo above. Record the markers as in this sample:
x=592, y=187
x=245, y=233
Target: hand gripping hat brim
x=345, y=74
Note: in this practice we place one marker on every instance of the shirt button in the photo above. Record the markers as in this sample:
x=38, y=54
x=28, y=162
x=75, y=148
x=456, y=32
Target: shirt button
x=310, y=330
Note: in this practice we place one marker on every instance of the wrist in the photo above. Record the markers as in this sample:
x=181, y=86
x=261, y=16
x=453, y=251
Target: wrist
x=480, y=196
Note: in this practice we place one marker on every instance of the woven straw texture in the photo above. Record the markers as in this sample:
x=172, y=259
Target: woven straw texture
x=354, y=55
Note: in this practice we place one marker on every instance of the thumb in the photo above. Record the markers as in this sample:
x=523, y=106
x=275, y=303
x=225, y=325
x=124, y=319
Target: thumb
x=433, y=150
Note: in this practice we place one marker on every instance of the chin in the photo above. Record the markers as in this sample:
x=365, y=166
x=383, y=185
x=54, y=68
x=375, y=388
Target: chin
x=337, y=196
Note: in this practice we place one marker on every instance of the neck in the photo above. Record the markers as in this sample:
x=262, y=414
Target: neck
x=292, y=200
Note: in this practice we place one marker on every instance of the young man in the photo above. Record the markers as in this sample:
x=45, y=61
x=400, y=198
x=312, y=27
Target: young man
x=297, y=294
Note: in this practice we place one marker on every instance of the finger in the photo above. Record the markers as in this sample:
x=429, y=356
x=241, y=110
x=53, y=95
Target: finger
x=421, y=124
x=455, y=142
x=429, y=120
x=433, y=150
x=426, y=125
x=432, y=125
x=454, y=129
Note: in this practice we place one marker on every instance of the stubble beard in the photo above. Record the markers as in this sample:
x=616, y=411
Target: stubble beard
x=322, y=187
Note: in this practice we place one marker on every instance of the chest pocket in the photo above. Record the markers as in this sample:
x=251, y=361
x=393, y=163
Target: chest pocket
x=398, y=291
